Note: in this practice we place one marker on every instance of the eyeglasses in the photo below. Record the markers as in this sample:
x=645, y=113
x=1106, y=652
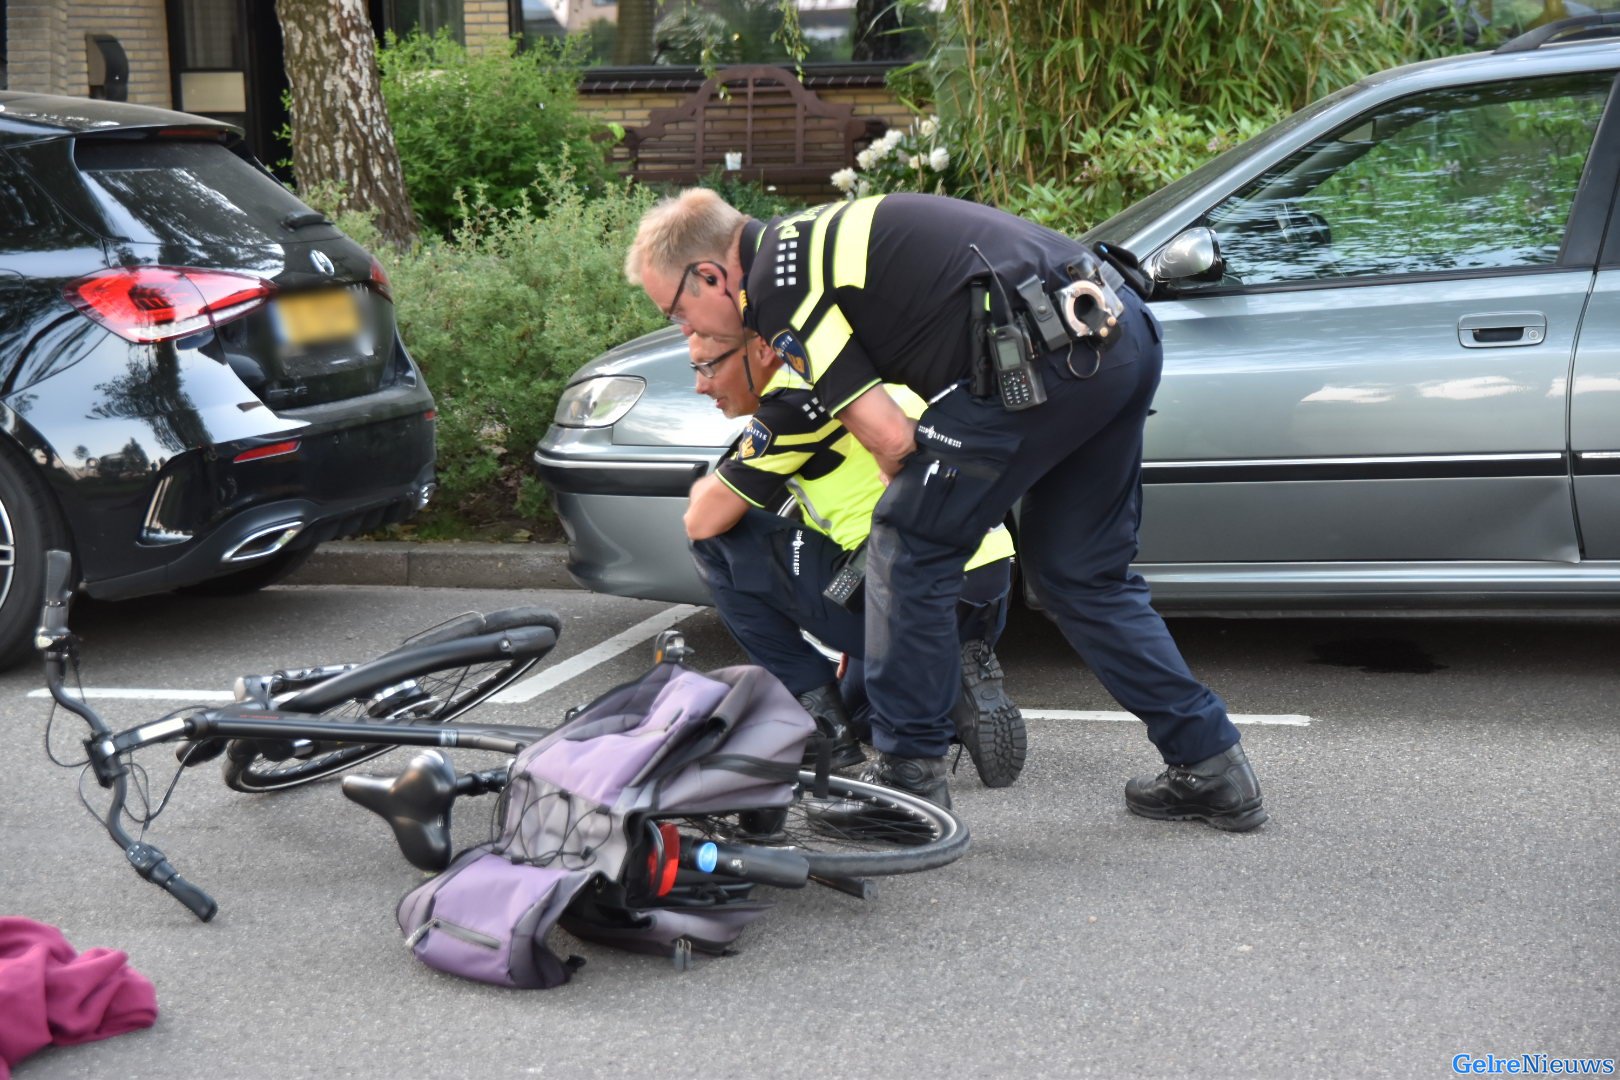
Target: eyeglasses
x=672, y=312
x=707, y=368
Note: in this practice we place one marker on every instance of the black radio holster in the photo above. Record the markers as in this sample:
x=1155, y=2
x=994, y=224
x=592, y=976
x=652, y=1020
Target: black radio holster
x=981, y=376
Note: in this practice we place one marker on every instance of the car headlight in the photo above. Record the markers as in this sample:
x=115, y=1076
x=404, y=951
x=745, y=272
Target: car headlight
x=598, y=402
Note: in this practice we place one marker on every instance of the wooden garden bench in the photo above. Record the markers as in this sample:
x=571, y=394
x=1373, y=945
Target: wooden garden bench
x=785, y=133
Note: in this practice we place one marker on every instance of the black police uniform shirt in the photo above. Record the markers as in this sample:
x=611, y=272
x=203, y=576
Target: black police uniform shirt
x=791, y=445
x=875, y=290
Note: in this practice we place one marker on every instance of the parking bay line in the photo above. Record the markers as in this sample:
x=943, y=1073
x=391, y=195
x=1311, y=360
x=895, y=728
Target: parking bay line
x=527, y=690
x=1279, y=719
x=555, y=676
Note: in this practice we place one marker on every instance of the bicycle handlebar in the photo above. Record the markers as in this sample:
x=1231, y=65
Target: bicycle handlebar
x=150, y=863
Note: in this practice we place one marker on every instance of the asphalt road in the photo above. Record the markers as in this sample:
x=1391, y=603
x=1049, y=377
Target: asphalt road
x=1439, y=877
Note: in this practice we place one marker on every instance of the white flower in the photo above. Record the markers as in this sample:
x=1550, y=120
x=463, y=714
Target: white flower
x=915, y=161
x=863, y=187
x=928, y=128
x=866, y=159
x=940, y=158
x=843, y=179
x=891, y=139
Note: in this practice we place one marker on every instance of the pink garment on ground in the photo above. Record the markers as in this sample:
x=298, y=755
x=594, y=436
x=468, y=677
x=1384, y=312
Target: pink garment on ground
x=51, y=993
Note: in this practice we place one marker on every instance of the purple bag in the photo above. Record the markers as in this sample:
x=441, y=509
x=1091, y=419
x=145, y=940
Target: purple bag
x=578, y=803
x=485, y=918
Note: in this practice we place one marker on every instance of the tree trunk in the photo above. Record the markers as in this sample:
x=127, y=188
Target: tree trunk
x=877, y=31
x=634, y=44
x=340, y=130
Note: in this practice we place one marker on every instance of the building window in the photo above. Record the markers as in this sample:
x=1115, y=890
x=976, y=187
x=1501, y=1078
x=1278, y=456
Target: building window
x=678, y=33
x=212, y=34
x=428, y=16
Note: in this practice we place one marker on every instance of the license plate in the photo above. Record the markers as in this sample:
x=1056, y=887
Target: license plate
x=317, y=317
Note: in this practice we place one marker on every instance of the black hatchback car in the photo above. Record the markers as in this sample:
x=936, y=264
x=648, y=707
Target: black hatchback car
x=200, y=377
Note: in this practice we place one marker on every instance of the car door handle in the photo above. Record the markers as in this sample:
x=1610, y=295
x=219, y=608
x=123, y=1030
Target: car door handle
x=1502, y=329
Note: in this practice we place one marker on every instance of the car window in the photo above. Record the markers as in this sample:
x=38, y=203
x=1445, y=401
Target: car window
x=1469, y=178
x=28, y=220
x=183, y=191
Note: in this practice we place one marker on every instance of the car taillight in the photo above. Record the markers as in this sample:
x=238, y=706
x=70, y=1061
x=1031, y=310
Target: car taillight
x=280, y=449
x=160, y=303
x=379, y=280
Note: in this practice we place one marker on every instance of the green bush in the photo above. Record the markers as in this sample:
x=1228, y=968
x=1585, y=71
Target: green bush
x=486, y=122
x=1031, y=90
x=1126, y=162
x=499, y=316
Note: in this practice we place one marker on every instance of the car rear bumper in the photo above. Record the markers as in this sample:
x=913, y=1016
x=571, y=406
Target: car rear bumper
x=264, y=532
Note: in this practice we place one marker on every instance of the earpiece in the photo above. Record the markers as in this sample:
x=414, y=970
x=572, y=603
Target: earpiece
x=710, y=278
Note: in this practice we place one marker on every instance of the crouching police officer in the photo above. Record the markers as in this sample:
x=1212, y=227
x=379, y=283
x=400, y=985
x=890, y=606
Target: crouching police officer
x=1039, y=362
x=772, y=577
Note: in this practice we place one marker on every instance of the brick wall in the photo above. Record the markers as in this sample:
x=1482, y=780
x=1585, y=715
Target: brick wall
x=141, y=26
x=487, y=23
x=46, y=50
x=36, y=45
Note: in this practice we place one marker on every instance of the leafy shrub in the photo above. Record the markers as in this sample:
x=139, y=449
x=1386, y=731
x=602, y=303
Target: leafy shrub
x=1126, y=162
x=1032, y=89
x=499, y=316
x=752, y=198
x=486, y=122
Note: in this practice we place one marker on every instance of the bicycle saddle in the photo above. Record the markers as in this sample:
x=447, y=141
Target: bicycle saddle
x=416, y=805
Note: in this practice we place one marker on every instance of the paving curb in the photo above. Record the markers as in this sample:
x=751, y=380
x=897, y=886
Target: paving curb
x=443, y=566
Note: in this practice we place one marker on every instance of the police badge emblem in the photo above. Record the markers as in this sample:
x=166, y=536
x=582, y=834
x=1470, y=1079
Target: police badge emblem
x=755, y=440
x=792, y=353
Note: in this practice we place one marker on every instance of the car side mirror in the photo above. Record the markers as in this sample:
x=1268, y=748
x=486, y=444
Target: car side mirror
x=1193, y=255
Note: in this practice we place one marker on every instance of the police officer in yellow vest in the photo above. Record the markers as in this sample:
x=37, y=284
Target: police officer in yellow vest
x=769, y=575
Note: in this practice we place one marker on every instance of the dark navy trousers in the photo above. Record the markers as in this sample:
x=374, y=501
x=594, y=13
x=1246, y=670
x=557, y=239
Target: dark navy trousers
x=1076, y=461
x=767, y=575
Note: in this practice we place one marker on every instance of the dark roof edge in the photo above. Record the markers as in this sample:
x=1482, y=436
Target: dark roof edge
x=25, y=115
x=656, y=77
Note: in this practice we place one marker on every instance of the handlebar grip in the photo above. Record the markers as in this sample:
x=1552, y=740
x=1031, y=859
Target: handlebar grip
x=149, y=862
x=201, y=904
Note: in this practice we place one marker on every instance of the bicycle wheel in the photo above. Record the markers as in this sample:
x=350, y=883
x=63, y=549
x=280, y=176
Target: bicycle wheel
x=434, y=696
x=904, y=834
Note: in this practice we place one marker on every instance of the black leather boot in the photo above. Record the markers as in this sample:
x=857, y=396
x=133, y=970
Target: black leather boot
x=826, y=708
x=920, y=776
x=856, y=817
x=1220, y=791
x=988, y=724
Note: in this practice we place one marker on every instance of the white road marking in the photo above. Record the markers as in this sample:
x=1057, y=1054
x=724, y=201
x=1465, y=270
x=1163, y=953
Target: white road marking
x=555, y=676
x=527, y=690
x=1282, y=719
x=577, y=665
x=128, y=694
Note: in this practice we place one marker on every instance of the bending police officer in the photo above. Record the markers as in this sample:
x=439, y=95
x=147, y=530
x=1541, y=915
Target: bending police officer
x=956, y=301
x=770, y=576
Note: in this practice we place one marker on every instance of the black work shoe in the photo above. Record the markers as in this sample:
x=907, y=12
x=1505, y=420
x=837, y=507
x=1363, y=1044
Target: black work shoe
x=1220, y=791
x=919, y=776
x=826, y=708
x=987, y=722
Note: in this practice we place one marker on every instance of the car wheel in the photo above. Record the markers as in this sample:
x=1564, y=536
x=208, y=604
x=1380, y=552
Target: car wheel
x=30, y=525
x=254, y=578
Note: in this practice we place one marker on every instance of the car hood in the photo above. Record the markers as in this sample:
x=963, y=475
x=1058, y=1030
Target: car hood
x=669, y=412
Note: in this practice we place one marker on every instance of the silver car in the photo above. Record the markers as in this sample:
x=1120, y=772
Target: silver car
x=1392, y=377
